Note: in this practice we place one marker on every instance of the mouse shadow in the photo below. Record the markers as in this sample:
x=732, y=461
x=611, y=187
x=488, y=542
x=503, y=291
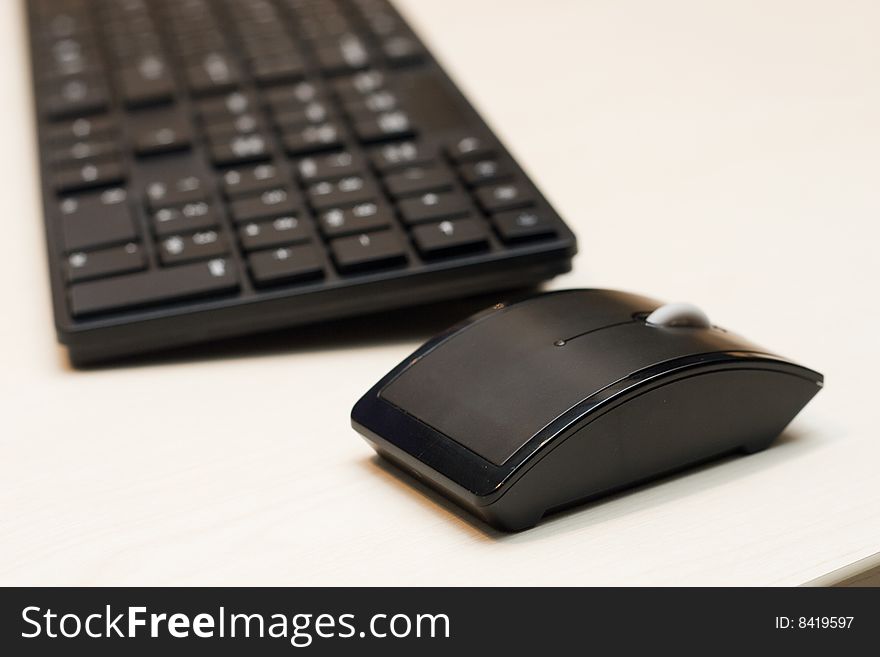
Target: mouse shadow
x=791, y=444
x=411, y=323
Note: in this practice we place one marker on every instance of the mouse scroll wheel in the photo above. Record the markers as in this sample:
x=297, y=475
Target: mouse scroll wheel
x=679, y=315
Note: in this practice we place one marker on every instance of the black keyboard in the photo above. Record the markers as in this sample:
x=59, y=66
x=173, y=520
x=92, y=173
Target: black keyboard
x=213, y=168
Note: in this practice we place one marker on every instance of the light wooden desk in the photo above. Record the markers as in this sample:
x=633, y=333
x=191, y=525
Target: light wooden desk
x=726, y=153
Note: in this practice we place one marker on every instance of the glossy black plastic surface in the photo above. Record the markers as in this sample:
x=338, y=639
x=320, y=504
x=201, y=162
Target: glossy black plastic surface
x=443, y=116
x=536, y=405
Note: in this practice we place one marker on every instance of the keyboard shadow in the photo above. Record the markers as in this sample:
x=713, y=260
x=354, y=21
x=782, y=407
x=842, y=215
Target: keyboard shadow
x=393, y=326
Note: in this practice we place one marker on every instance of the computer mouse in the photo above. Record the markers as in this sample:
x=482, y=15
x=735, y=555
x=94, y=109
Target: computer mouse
x=531, y=407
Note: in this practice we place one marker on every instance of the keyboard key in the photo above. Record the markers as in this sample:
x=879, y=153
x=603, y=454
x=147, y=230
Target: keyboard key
x=163, y=140
x=175, y=191
x=239, y=148
x=374, y=103
x=80, y=152
x=83, y=266
x=266, y=234
x=380, y=18
x=226, y=107
x=214, y=74
x=297, y=117
x=160, y=132
x=505, y=196
x=286, y=265
x=401, y=154
x=384, y=127
x=72, y=96
x=64, y=22
x=247, y=180
x=484, y=171
x=327, y=167
x=451, y=237
x=271, y=203
x=273, y=70
x=298, y=94
x=186, y=218
x=345, y=191
x=361, y=218
x=156, y=286
x=82, y=128
x=434, y=206
x=146, y=82
x=470, y=147
x=312, y=138
x=351, y=89
x=345, y=54
x=226, y=128
x=368, y=251
x=74, y=54
x=402, y=50
x=89, y=176
x=198, y=246
x=418, y=180
x=523, y=225
x=94, y=220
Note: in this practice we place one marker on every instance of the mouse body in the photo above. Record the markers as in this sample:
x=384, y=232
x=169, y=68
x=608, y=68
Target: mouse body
x=531, y=407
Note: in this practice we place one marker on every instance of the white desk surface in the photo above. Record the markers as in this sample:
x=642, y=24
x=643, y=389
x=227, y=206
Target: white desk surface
x=726, y=153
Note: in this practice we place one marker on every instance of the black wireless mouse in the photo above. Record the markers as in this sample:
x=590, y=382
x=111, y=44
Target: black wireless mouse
x=531, y=407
